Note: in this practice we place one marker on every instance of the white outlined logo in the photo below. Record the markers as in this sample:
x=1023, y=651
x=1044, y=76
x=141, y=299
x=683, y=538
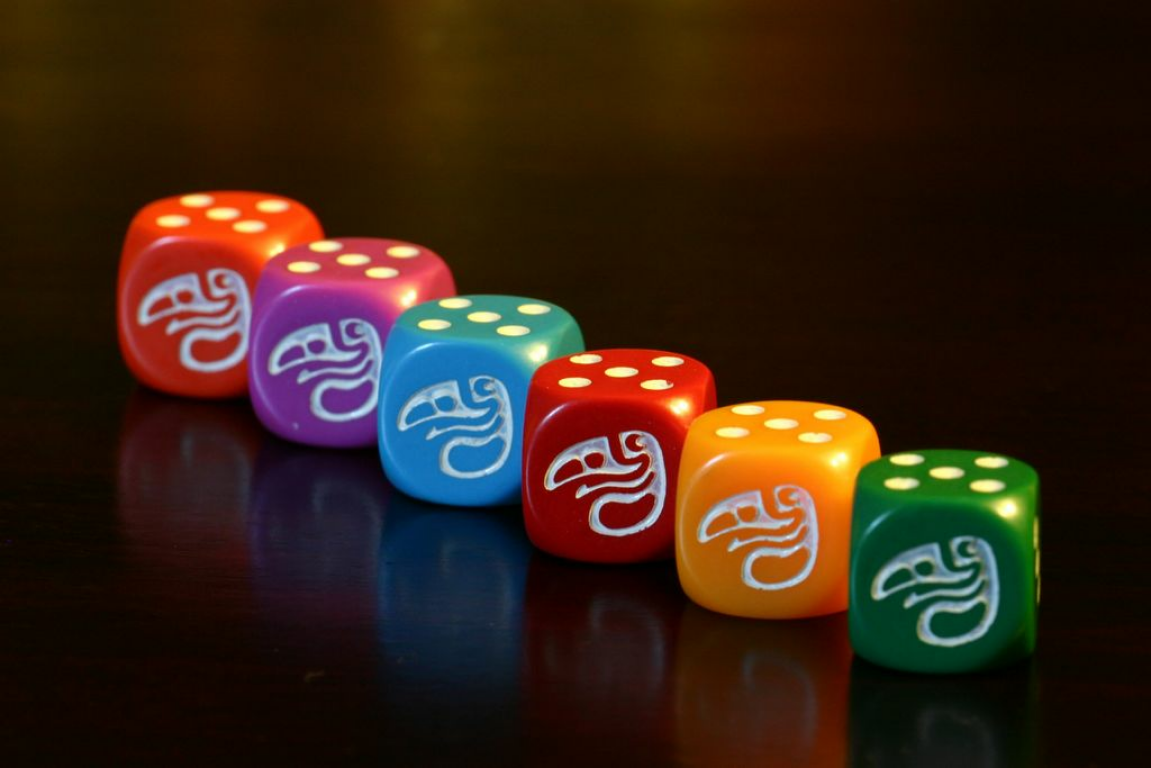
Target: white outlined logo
x=971, y=583
x=223, y=311
x=640, y=475
x=343, y=366
x=488, y=420
x=789, y=529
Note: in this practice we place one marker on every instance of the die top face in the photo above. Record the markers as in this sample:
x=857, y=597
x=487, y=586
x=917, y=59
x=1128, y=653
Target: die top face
x=251, y=220
x=375, y=263
x=934, y=476
x=821, y=431
x=502, y=320
x=619, y=374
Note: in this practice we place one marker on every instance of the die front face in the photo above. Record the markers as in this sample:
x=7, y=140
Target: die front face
x=763, y=514
x=604, y=431
x=187, y=273
x=453, y=390
x=944, y=572
x=321, y=317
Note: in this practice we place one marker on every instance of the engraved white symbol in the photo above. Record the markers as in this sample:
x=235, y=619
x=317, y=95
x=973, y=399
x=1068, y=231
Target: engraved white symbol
x=792, y=529
x=223, y=312
x=973, y=582
x=344, y=367
x=490, y=419
x=630, y=482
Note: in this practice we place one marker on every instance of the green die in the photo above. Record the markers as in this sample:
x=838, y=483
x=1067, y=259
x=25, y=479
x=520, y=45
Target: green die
x=944, y=561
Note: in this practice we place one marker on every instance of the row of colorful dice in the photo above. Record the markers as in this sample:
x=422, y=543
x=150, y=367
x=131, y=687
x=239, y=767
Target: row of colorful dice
x=620, y=454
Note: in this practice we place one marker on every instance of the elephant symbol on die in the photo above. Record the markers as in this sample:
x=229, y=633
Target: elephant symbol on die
x=471, y=428
x=970, y=583
x=343, y=364
x=790, y=529
x=638, y=477
x=214, y=310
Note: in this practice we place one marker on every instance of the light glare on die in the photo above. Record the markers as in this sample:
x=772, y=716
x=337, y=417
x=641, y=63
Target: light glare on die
x=1008, y=509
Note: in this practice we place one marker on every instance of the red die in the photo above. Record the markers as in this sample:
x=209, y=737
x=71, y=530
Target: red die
x=186, y=277
x=604, y=431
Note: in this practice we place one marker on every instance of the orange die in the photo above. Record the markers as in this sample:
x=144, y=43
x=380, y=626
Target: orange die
x=763, y=512
x=187, y=272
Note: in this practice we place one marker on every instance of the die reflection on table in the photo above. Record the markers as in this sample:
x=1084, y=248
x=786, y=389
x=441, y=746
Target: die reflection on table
x=761, y=692
x=315, y=520
x=450, y=615
x=599, y=647
x=172, y=519
x=983, y=720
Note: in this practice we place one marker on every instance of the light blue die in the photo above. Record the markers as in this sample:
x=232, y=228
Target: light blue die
x=453, y=388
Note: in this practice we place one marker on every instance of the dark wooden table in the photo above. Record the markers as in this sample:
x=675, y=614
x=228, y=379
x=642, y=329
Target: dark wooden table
x=933, y=213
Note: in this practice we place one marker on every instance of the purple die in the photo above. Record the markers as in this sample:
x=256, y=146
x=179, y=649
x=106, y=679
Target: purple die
x=320, y=317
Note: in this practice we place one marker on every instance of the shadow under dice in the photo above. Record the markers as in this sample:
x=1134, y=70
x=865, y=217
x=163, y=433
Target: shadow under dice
x=186, y=276
x=453, y=392
x=945, y=561
x=604, y=432
x=322, y=315
x=763, y=514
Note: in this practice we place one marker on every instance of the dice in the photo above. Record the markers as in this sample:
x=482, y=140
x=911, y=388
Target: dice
x=945, y=561
x=603, y=435
x=321, y=315
x=453, y=390
x=187, y=272
x=763, y=514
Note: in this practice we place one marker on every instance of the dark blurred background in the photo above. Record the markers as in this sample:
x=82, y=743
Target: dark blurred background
x=933, y=213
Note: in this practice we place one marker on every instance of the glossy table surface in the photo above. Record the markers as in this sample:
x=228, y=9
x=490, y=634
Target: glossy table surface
x=932, y=213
